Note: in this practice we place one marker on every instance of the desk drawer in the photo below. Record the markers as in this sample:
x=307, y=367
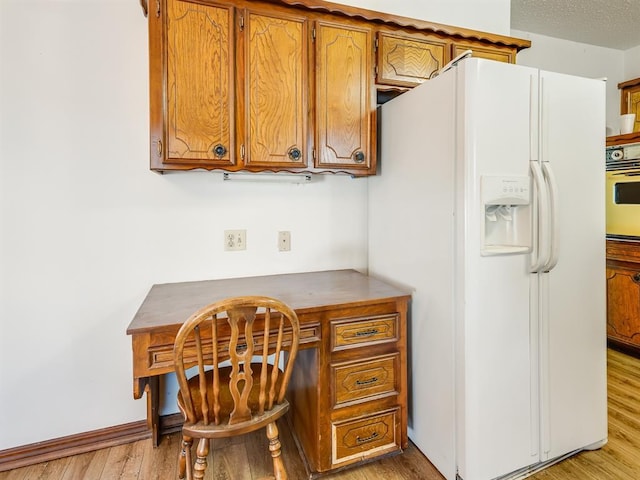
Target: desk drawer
x=357, y=332
x=361, y=438
x=364, y=380
x=161, y=355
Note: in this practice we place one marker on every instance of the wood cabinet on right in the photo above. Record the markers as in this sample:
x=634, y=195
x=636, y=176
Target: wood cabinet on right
x=630, y=100
x=500, y=54
x=623, y=295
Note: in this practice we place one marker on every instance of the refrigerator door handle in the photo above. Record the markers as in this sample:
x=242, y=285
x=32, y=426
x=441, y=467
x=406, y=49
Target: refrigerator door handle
x=540, y=254
x=553, y=210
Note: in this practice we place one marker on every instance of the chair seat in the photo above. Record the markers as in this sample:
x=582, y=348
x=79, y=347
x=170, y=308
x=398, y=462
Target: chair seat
x=223, y=429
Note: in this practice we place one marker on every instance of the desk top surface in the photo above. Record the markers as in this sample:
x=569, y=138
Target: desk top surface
x=172, y=303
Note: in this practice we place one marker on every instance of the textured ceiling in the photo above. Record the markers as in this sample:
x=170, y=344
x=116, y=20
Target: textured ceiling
x=607, y=23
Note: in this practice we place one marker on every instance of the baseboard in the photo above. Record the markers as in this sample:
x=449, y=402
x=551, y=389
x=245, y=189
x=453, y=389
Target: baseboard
x=72, y=445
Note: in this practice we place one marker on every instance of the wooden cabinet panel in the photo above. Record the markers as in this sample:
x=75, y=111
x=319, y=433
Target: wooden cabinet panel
x=500, y=54
x=361, y=331
x=630, y=100
x=200, y=92
x=372, y=435
x=276, y=86
x=623, y=304
x=344, y=113
x=623, y=295
x=407, y=61
x=365, y=379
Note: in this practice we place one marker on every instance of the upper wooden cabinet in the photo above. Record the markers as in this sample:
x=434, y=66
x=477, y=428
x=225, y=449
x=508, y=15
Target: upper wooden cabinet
x=275, y=88
x=199, y=111
x=630, y=100
x=344, y=97
x=407, y=61
x=494, y=52
x=285, y=85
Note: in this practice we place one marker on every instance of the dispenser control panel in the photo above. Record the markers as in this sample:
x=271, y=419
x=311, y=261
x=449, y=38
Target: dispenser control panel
x=505, y=190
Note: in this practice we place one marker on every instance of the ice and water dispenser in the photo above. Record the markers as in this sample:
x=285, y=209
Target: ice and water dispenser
x=506, y=205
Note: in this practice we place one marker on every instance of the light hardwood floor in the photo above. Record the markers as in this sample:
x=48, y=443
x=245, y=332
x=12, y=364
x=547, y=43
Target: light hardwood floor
x=247, y=458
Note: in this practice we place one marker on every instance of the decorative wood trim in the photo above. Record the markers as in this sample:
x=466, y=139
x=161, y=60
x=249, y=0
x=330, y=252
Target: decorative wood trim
x=629, y=83
x=405, y=22
x=72, y=445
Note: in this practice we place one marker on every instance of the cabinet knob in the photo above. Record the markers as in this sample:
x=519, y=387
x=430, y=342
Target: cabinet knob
x=358, y=157
x=636, y=277
x=294, y=153
x=219, y=150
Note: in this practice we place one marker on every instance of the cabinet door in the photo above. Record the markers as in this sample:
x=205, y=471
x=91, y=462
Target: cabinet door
x=344, y=106
x=505, y=54
x=275, y=80
x=199, y=84
x=630, y=100
x=407, y=61
x=623, y=305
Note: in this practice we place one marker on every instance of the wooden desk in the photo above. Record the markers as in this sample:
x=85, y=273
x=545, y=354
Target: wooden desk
x=348, y=393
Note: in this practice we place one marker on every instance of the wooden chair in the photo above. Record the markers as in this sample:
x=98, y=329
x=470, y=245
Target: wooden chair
x=241, y=391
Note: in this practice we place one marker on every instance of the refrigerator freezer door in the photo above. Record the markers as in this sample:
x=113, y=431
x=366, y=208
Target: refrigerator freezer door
x=497, y=430
x=573, y=302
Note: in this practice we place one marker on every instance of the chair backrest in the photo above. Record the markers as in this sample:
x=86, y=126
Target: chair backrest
x=236, y=331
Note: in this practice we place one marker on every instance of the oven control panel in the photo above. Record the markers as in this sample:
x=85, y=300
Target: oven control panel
x=623, y=156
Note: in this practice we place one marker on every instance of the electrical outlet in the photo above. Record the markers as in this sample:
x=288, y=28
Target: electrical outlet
x=284, y=241
x=235, y=239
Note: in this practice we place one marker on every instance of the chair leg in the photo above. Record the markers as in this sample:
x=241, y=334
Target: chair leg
x=201, y=459
x=184, y=459
x=276, y=452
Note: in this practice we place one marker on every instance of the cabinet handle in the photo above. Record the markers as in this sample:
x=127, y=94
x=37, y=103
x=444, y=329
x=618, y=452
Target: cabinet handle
x=367, y=333
x=636, y=277
x=219, y=150
x=358, y=157
x=361, y=383
x=159, y=147
x=370, y=438
x=294, y=153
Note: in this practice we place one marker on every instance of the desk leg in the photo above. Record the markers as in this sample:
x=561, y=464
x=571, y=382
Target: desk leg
x=153, y=415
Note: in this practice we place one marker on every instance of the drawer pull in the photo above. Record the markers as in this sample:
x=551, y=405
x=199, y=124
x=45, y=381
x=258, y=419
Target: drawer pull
x=371, y=381
x=636, y=277
x=367, y=333
x=370, y=438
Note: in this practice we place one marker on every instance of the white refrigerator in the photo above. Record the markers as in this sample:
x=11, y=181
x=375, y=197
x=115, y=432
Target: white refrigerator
x=489, y=205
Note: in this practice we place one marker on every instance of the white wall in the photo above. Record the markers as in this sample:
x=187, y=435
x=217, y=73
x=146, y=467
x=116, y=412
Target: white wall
x=578, y=59
x=87, y=228
x=492, y=16
x=632, y=63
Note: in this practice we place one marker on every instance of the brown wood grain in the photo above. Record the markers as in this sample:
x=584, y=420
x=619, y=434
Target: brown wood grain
x=200, y=98
x=409, y=60
x=623, y=294
x=277, y=89
x=344, y=114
